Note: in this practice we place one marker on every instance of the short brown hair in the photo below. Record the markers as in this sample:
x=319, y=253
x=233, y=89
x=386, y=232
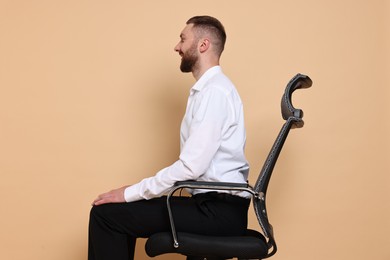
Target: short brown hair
x=213, y=26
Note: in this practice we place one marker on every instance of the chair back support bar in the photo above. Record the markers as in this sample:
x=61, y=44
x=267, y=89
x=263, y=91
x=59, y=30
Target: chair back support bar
x=293, y=119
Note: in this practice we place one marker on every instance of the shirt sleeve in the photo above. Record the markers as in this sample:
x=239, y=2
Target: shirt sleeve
x=210, y=118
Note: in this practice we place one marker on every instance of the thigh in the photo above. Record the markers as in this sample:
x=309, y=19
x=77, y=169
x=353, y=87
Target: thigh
x=145, y=217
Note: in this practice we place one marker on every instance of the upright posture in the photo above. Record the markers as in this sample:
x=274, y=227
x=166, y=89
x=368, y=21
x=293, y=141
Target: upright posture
x=212, y=139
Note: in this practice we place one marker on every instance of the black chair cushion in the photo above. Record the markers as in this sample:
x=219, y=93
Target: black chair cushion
x=252, y=245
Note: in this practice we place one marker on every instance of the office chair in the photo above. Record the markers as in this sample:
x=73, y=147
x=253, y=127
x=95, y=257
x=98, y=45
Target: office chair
x=252, y=245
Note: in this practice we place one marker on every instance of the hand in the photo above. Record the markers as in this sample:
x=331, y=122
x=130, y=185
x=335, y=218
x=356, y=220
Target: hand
x=113, y=196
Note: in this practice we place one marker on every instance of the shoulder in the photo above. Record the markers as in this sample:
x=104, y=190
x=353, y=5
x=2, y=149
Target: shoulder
x=220, y=83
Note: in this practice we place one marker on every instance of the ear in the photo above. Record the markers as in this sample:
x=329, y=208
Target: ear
x=204, y=45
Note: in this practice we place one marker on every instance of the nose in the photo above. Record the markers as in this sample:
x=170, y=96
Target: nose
x=177, y=47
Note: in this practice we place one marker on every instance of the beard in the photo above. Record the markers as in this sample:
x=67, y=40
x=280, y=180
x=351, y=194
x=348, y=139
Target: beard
x=189, y=60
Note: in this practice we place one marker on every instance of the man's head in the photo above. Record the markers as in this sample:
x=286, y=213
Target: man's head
x=203, y=35
x=207, y=26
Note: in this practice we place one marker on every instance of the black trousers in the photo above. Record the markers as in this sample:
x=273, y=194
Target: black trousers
x=114, y=228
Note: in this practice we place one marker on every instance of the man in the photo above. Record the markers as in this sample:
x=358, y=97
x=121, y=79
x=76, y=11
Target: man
x=212, y=139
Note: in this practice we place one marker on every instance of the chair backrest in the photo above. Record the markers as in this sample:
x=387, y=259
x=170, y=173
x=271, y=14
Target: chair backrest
x=293, y=119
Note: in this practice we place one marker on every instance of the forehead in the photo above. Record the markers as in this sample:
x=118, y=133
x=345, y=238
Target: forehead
x=187, y=32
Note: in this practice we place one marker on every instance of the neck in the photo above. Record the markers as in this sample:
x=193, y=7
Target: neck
x=201, y=67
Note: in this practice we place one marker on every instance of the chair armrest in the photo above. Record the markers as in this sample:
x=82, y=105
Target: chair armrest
x=201, y=185
x=211, y=185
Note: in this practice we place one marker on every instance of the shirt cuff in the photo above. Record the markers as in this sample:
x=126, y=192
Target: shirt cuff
x=131, y=193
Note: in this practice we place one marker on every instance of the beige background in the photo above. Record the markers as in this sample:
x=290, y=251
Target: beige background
x=91, y=98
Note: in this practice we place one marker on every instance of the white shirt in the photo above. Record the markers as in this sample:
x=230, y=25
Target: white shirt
x=212, y=140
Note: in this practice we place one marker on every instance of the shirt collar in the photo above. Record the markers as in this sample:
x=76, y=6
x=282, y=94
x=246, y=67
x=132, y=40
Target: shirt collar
x=205, y=77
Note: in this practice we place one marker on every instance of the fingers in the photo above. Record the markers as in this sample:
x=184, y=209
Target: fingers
x=98, y=201
x=105, y=198
x=114, y=196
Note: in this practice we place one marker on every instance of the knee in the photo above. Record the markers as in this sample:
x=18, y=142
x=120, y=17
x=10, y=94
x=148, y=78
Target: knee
x=97, y=212
x=104, y=211
x=93, y=213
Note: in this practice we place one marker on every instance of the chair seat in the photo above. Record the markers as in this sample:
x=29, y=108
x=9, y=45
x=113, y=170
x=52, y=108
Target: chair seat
x=252, y=245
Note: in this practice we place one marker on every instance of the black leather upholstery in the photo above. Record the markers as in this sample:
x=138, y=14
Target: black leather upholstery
x=252, y=245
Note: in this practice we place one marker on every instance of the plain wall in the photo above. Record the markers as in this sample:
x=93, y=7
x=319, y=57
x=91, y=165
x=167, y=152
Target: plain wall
x=91, y=98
